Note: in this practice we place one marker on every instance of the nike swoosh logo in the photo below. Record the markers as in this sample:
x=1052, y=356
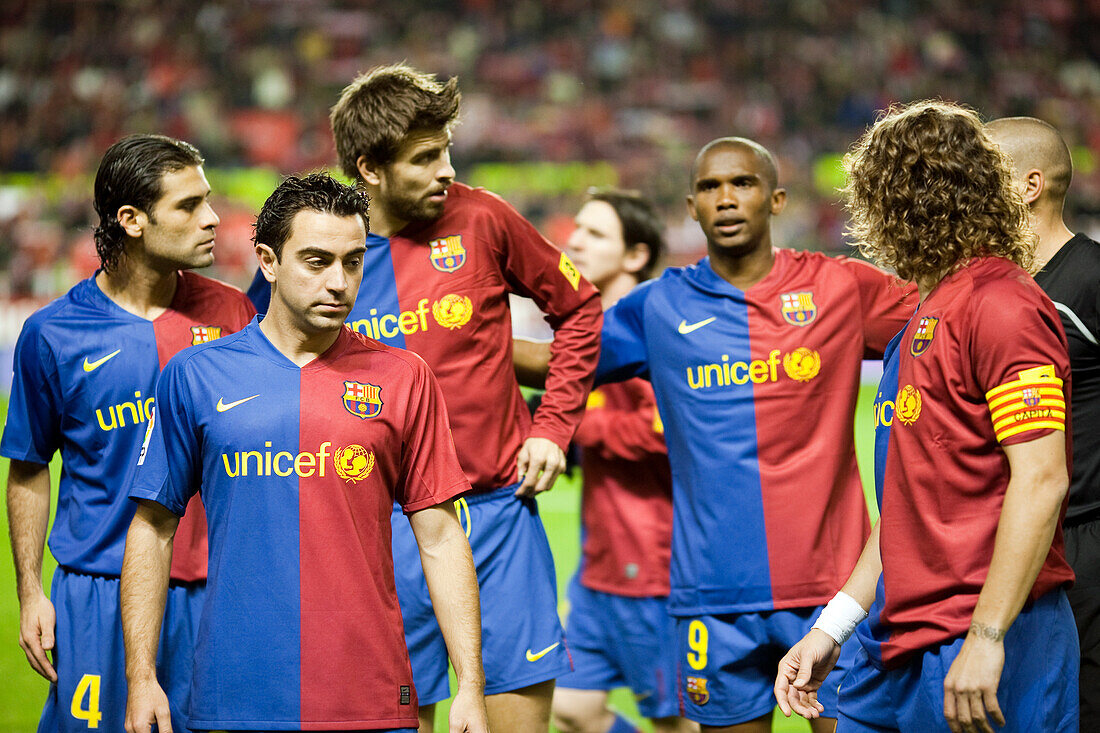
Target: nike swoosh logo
x=223, y=406
x=536, y=656
x=686, y=329
x=91, y=366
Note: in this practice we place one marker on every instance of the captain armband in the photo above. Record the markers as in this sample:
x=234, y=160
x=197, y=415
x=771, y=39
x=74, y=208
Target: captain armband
x=840, y=617
x=1033, y=401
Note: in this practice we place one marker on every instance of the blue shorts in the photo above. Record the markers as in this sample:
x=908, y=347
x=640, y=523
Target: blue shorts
x=619, y=641
x=728, y=663
x=1037, y=692
x=522, y=642
x=90, y=660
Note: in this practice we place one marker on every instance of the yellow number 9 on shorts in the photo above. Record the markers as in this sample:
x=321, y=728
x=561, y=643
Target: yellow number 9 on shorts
x=697, y=642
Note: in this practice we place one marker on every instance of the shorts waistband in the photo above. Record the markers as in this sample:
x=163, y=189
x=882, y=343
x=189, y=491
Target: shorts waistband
x=481, y=496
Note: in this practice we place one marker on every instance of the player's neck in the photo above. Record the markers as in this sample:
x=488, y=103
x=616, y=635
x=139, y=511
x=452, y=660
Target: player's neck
x=296, y=343
x=616, y=288
x=383, y=222
x=1053, y=235
x=138, y=288
x=743, y=269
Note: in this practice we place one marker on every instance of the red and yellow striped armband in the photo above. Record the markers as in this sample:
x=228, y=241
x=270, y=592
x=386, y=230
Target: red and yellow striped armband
x=1033, y=401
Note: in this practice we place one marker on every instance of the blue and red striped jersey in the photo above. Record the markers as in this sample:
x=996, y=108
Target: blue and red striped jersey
x=441, y=289
x=981, y=364
x=757, y=391
x=299, y=469
x=84, y=375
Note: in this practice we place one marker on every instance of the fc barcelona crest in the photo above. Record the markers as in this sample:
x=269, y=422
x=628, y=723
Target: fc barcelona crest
x=1031, y=397
x=697, y=690
x=202, y=334
x=447, y=254
x=922, y=338
x=362, y=400
x=798, y=308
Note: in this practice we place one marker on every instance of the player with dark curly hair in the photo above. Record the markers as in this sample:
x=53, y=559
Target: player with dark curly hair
x=963, y=577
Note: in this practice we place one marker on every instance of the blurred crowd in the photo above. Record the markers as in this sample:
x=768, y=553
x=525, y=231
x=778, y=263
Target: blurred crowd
x=629, y=88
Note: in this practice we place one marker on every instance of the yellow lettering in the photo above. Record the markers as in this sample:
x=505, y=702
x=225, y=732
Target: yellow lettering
x=422, y=309
x=236, y=470
x=407, y=322
x=133, y=413
x=259, y=462
x=758, y=371
x=387, y=332
x=104, y=425
x=322, y=458
x=288, y=471
x=717, y=373
x=773, y=363
x=697, y=642
x=695, y=383
x=303, y=464
x=739, y=373
x=363, y=327
x=89, y=684
x=148, y=407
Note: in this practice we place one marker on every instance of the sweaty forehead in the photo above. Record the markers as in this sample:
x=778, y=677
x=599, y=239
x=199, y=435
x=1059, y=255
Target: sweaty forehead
x=733, y=158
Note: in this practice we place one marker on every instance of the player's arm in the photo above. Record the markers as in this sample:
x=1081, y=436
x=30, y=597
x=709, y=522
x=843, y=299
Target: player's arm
x=452, y=584
x=28, y=517
x=1037, y=486
x=144, y=590
x=804, y=668
x=531, y=360
x=628, y=434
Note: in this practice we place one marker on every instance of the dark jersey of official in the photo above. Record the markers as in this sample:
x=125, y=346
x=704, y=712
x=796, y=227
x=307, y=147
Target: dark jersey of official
x=1072, y=280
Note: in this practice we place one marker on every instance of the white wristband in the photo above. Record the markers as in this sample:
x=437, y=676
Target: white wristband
x=840, y=618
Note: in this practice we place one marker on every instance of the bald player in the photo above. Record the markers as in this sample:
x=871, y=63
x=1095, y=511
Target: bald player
x=754, y=356
x=1070, y=275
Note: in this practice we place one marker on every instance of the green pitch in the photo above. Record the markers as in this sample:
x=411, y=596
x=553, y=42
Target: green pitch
x=23, y=691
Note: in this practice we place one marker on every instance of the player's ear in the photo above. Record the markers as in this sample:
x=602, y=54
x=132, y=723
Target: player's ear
x=367, y=171
x=637, y=255
x=1034, y=183
x=779, y=200
x=132, y=219
x=267, y=260
x=691, y=207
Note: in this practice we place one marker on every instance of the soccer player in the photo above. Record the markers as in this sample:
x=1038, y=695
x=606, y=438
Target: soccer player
x=619, y=629
x=1070, y=275
x=970, y=625
x=441, y=260
x=301, y=435
x=754, y=355
x=85, y=367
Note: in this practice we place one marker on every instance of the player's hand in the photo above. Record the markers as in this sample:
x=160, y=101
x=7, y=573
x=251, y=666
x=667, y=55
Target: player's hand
x=970, y=688
x=37, y=620
x=468, y=713
x=147, y=704
x=540, y=463
x=802, y=671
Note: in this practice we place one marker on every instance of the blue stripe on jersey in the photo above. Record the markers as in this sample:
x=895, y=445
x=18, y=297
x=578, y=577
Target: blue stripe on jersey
x=871, y=632
x=245, y=396
x=376, y=311
x=719, y=540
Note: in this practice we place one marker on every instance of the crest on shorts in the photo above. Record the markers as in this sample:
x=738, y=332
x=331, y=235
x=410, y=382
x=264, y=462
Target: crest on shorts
x=697, y=690
x=798, y=308
x=922, y=337
x=447, y=254
x=362, y=400
x=202, y=334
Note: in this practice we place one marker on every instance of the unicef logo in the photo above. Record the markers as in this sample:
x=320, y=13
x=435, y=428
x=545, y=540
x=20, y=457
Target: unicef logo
x=908, y=404
x=802, y=364
x=453, y=311
x=353, y=463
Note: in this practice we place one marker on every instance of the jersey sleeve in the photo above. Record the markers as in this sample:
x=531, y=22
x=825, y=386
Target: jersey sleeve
x=627, y=434
x=430, y=472
x=535, y=268
x=1019, y=361
x=887, y=303
x=169, y=466
x=623, y=353
x=33, y=428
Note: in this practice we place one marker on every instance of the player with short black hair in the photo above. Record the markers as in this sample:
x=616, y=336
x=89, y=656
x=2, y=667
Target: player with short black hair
x=1069, y=272
x=620, y=633
x=301, y=436
x=754, y=354
x=963, y=576
x=85, y=368
x=441, y=261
